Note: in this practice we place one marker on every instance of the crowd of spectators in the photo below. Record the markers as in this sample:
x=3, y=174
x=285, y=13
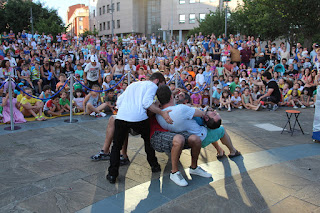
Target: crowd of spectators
x=246, y=72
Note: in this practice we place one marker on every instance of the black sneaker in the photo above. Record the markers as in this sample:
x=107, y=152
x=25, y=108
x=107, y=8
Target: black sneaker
x=111, y=179
x=100, y=156
x=156, y=168
x=124, y=161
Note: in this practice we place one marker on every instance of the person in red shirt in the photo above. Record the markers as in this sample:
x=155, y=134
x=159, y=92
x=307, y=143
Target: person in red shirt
x=141, y=64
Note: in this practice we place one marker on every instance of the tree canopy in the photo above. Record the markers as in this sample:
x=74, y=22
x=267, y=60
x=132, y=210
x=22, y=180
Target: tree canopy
x=294, y=20
x=15, y=15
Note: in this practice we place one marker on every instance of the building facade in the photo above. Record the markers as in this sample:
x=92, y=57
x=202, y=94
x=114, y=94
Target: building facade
x=161, y=17
x=78, y=19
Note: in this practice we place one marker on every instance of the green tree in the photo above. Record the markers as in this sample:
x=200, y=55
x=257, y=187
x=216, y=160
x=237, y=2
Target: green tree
x=214, y=22
x=15, y=15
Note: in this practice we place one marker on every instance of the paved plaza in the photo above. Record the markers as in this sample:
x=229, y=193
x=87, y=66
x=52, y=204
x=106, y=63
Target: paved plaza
x=46, y=167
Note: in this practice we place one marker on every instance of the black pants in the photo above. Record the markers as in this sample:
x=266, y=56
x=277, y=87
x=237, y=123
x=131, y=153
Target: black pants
x=120, y=132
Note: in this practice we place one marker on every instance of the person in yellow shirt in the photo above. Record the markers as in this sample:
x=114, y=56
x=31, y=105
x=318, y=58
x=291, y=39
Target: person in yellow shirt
x=295, y=86
x=32, y=106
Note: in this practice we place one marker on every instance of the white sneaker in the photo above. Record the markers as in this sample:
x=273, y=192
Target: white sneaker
x=229, y=109
x=93, y=114
x=178, y=179
x=303, y=107
x=199, y=171
x=240, y=107
x=295, y=107
x=312, y=106
x=102, y=114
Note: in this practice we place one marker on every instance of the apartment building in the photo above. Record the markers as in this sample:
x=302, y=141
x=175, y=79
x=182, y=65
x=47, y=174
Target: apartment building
x=161, y=17
x=77, y=19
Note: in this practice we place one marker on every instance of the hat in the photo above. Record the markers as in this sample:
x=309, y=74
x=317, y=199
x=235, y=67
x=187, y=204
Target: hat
x=112, y=82
x=93, y=58
x=20, y=84
x=185, y=73
x=219, y=86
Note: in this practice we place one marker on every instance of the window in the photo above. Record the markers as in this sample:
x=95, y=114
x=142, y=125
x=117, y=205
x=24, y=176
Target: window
x=108, y=8
x=202, y=16
x=104, y=9
x=100, y=11
x=81, y=27
x=113, y=25
x=100, y=27
x=112, y=7
x=80, y=19
x=94, y=13
x=192, y=18
x=192, y=1
x=118, y=23
x=182, y=19
x=104, y=25
x=108, y=25
x=118, y=6
x=182, y=1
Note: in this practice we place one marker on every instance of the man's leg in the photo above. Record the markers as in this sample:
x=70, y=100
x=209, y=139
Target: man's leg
x=143, y=128
x=177, y=146
x=121, y=129
x=226, y=140
x=195, y=143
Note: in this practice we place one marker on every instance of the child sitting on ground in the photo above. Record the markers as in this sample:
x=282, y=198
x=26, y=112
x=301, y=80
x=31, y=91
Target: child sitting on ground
x=64, y=101
x=32, y=106
x=46, y=93
x=62, y=81
x=225, y=100
x=205, y=98
x=78, y=101
x=236, y=100
x=110, y=100
x=52, y=107
x=79, y=71
x=294, y=99
x=196, y=99
x=247, y=100
x=305, y=99
x=17, y=115
x=91, y=103
x=26, y=76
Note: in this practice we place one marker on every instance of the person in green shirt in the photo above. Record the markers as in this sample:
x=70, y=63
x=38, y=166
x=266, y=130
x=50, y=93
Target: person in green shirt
x=234, y=84
x=64, y=101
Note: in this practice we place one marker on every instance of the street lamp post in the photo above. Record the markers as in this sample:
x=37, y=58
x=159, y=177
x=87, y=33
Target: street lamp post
x=112, y=21
x=226, y=16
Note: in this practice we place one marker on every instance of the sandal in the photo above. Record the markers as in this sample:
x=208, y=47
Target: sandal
x=42, y=118
x=38, y=118
x=221, y=156
x=237, y=153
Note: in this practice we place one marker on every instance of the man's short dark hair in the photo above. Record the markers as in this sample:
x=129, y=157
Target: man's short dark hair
x=187, y=98
x=157, y=75
x=212, y=124
x=164, y=94
x=267, y=75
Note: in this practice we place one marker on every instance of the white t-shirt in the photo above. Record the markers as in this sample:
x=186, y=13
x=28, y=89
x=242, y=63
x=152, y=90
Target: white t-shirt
x=135, y=100
x=92, y=71
x=182, y=121
x=200, y=79
x=128, y=68
x=236, y=100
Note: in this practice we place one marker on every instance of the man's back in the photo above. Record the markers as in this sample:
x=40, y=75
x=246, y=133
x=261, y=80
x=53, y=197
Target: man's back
x=135, y=101
x=182, y=121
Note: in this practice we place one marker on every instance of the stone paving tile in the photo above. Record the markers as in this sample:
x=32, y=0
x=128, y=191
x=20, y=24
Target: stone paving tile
x=292, y=204
x=276, y=175
x=310, y=194
x=100, y=180
x=71, y=198
x=14, y=208
x=18, y=194
x=13, y=177
x=63, y=179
